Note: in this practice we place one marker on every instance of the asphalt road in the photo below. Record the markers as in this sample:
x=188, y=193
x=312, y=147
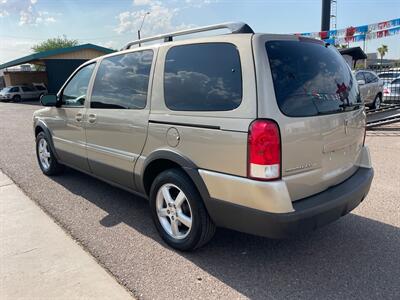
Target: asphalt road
x=355, y=257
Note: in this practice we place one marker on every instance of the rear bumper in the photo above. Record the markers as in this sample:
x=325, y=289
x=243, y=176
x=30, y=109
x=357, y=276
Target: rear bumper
x=309, y=213
x=391, y=98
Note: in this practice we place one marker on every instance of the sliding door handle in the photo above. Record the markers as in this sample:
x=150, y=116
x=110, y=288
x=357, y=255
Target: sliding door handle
x=92, y=118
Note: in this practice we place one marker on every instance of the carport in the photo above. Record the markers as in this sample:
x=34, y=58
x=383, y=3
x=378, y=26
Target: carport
x=58, y=65
x=352, y=55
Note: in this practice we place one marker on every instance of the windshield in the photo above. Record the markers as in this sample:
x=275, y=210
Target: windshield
x=311, y=79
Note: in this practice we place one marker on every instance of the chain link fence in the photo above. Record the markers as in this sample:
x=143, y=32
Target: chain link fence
x=390, y=75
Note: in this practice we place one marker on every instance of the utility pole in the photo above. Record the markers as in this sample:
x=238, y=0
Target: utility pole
x=325, y=15
x=141, y=25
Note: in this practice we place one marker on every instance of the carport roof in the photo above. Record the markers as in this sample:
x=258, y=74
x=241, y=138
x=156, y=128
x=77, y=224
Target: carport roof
x=355, y=52
x=42, y=55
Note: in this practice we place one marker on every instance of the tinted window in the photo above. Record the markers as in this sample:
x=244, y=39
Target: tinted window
x=369, y=77
x=360, y=76
x=40, y=88
x=122, y=81
x=203, y=77
x=14, y=90
x=27, y=89
x=74, y=94
x=311, y=79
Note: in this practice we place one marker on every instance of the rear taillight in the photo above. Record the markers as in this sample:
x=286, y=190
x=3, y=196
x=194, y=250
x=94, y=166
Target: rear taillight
x=386, y=91
x=264, y=150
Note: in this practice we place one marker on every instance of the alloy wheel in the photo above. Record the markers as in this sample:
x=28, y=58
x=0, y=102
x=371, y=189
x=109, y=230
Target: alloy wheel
x=174, y=211
x=44, y=154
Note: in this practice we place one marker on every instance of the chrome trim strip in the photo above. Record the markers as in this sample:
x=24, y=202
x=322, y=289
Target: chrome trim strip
x=81, y=144
x=101, y=149
x=113, y=152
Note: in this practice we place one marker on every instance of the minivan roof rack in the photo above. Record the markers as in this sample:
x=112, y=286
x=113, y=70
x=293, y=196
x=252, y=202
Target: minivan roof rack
x=234, y=27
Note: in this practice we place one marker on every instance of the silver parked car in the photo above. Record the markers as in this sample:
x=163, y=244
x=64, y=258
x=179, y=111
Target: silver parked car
x=391, y=91
x=259, y=133
x=371, y=88
x=20, y=92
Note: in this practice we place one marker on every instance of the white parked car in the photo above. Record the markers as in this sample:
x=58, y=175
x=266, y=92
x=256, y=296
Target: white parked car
x=391, y=91
x=389, y=75
x=40, y=87
x=20, y=92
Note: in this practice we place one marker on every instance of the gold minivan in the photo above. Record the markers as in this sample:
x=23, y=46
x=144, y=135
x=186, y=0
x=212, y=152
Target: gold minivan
x=259, y=133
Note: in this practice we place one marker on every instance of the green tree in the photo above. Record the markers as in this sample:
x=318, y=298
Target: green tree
x=342, y=46
x=54, y=43
x=382, y=50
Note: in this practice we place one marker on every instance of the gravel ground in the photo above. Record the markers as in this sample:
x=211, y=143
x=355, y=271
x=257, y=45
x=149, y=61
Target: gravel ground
x=355, y=257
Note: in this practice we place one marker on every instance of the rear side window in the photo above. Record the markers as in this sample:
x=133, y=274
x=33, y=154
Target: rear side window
x=370, y=77
x=360, y=76
x=26, y=89
x=122, y=81
x=311, y=79
x=203, y=77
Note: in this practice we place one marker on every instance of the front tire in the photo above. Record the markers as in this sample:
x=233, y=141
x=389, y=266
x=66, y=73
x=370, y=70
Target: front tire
x=16, y=98
x=178, y=211
x=45, y=156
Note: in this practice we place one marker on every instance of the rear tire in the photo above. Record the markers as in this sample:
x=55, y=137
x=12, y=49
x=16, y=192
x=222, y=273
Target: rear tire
x=377, y=102
x=173, y=197
x=45, y=156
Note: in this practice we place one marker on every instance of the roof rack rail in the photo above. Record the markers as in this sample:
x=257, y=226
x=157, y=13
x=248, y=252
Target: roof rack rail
x=234, y=27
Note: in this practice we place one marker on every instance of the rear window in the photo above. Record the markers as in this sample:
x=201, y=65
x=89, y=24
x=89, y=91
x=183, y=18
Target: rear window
x=203, y=77
x=388, y=75
x=311, y=79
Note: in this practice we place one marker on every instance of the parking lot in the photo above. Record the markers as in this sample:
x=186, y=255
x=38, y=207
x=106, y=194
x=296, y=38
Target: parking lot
x=355, y=257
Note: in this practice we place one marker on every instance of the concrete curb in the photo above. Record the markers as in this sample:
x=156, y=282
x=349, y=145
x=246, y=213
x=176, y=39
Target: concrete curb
x=39, y=260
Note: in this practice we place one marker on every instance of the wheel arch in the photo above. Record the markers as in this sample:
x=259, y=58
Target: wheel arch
x=161, y=160
x=42, y=127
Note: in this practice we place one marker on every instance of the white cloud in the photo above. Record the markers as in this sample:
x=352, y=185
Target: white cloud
x=12, y=48
x=37, y=18
x=27, y=12
x=161, y=18
x=145, y=2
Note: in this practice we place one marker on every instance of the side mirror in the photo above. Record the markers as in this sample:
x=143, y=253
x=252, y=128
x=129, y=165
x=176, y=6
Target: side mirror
x=49, y=100
x=361, y=82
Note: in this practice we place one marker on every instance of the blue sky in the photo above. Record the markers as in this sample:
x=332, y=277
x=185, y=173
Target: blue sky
x=112, y=23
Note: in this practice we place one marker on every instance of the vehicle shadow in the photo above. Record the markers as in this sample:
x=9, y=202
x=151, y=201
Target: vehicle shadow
x=31, y=102
x=356, y=257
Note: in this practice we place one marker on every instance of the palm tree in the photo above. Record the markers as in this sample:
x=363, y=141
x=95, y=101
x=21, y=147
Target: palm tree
x=382, y=51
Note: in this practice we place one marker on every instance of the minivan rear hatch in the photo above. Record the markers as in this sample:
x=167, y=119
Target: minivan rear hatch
x=320, y=114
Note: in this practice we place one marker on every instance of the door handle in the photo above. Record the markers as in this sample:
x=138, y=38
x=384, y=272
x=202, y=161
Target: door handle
x=92, y=118
x=78, y=117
